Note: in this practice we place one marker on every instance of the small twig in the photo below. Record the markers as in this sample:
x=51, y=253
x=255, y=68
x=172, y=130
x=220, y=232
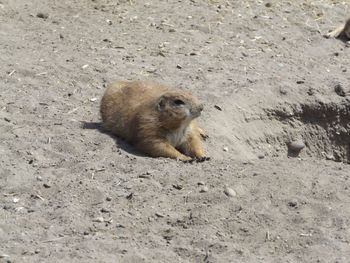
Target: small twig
x=40, y=197
x=42, y=73
x=73, y=110
x=11, y=73
x=52, y=240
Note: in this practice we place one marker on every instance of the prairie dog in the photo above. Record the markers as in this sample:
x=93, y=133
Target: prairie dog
x=342, y=31
x=157, y=120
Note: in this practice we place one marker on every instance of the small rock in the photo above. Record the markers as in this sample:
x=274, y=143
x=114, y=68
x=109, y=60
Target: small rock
x=145, y=176
x=177, y=186
x=93, y=99
x=39, y=178
x=47, y=185
x=108, y=198
x=225, y=149
x=339, y=89
x=261, y=156
x=37, y=251
x=172, y=30
x=159, y=214
x=268, y=4
x=7, y=119
x=204, y=189
x=201, y=183
x=293, y=203
x=179, y=66
x=300, y=81
x=105, y=210
x=42, y=15
x=218, y=107
x=230, y=192
x=15, y=199
x=296, y=146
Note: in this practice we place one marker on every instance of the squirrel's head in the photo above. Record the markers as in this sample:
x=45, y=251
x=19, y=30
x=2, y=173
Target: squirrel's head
x=177, y=108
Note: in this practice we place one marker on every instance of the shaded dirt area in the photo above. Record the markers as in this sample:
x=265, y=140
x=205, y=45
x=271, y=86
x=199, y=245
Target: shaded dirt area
x=268, y=77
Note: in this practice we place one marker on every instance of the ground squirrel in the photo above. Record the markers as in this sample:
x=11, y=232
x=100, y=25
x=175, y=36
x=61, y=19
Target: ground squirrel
x=157, y=120
x=342, y=31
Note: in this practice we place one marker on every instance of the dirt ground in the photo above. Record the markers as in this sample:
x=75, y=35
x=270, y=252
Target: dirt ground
x=72, y=193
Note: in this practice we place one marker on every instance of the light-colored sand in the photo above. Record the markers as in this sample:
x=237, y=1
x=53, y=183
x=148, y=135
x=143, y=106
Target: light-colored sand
x=266, y=66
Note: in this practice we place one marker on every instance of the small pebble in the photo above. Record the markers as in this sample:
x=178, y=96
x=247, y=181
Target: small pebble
x=293, y=203
x=225, y=149
x=230, y=192
x=339, y=89
x=179, y=66
x=47, y=185
x=204, y=189
x=201, y=183
x=42, y=15
x=15, y=200
x=105, y=210
x=296, y=146
x=159, y=214
x=218, y=107
x=177, y=186
x=261, y=156
x=108, y=198
x=37, y=251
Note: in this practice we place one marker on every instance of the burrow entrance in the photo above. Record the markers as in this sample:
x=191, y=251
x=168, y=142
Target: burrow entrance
x=324, y=128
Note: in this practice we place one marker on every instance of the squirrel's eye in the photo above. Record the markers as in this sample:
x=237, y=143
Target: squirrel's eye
x=179, y=102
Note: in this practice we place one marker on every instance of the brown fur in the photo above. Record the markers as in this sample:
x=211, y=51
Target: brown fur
x=342, y=31
x=154, y=118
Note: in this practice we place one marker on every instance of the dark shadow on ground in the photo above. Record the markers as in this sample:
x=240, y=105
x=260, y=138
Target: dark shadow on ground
x=120, y=142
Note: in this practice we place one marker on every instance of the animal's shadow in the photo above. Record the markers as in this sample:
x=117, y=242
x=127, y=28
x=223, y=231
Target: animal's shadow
x=119, y=142
x=342, y=37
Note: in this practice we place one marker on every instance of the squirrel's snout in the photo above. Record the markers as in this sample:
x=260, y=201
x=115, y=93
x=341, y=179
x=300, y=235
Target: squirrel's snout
x=196, y=111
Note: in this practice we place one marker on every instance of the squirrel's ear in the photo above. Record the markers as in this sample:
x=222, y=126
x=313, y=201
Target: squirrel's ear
x=161, y=104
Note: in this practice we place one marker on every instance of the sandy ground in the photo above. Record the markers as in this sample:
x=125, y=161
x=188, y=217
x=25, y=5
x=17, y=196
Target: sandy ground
x=71, y=193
